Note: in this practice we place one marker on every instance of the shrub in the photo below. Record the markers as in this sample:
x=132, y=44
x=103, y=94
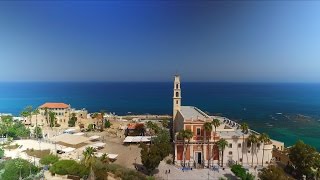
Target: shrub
x=12, y=169
x=240, y=172
x=124, y=173
x=72, y=121
x=90, y=127
x=49, y=159
x=107, y=124
x=69, y=167
x=1, y=153
x=169, y=161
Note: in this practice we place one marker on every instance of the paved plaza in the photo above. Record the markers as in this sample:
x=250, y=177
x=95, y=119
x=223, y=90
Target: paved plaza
x=195, y=174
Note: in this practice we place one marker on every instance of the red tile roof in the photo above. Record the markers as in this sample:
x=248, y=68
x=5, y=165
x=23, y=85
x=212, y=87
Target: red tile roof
x=50, y=105
x=134, y=125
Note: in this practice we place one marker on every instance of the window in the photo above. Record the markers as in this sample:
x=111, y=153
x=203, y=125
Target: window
x=239, y=145
x=230, y=152
x=230, y=145
x=248, y=144
x=240, y=159
x=248, y=151
x=177, y=94
x=177, y=86
x=177, y=102
x=198, y=131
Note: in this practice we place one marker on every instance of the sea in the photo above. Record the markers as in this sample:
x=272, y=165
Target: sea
x=286, y=111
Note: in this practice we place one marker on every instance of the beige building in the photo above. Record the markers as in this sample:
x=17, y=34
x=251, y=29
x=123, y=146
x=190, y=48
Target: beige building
x=201, y=154
x=62, y=111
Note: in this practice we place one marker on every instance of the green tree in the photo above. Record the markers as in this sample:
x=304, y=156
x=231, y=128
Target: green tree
x=252, y=139
x=49, y=159
x=90, y=127
x=72, y=121
x=102, y=113
x=153, y=127
x=240, y=172
x=107, y=124
x=1, y=153
x=17, y=130
x=207, y=128
x=245, y=130
x=157, y=151
x=5, y=123
x=104, y=158
x=150, y=157
x=46, y=114
x=215, y=123
x=36, y=112
x=273, y=173
x=52, y=118
x=304, y=157
x=69, y=167
x=185, y=135
x=27, y=113
x=15, y=167
x=264, y=138
x=37, y=132
x=162, y=142
x=89, y=160
x=222, y=143
x=165, y=123
x=317, y=166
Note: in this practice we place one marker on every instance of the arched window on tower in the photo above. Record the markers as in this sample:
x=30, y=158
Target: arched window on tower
x=177, y=94
x=177, y=86
x=177, y=102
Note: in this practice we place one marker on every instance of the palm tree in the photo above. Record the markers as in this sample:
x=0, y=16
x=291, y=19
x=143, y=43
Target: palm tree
x=46, y=113
x=222, y=143
x=52, y=117
x=185, y=134
x=36, y=112
x=215, y=123
x=245, y=130
x=102, y=112
x=27, y=112
x=207, y=128
x=104, y=158
x=252, y=139
x=264, y=138
x=89, y=160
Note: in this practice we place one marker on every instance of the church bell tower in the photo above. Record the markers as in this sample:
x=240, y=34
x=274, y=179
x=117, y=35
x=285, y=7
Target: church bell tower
x=176, y=95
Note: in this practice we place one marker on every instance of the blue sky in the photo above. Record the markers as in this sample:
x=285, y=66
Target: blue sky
x=152, y=40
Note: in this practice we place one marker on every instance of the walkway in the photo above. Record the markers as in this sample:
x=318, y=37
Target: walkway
x=199, y=174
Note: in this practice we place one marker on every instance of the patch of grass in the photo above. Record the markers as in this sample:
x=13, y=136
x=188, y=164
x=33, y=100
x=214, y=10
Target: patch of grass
x=10, y=147
x=37, y=153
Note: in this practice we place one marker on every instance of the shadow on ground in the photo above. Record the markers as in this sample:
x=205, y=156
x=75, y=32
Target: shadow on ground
x=230, y=177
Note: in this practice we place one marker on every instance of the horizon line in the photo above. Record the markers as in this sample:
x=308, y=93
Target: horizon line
x=231, y=82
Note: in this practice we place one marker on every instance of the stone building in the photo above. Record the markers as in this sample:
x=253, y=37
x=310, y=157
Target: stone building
x=200, y=153
x=63, y=112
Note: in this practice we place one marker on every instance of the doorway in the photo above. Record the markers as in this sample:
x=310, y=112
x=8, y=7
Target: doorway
x=199, y=157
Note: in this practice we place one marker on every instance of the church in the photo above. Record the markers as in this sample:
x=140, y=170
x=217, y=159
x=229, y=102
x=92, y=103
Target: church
x=201, y=149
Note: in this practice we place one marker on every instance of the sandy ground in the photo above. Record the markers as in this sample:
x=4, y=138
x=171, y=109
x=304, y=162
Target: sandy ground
x=113, y=137
x=28, y=144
